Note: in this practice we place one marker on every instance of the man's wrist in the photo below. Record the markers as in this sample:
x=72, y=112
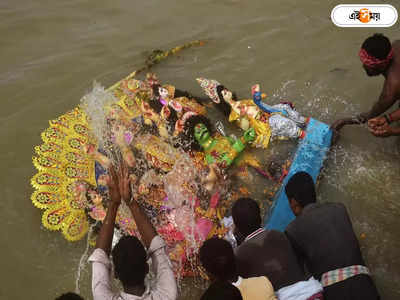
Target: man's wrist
x=114, y=205
x=395, y=130
x=133, y=203
x=387, y=118
x=391, y=118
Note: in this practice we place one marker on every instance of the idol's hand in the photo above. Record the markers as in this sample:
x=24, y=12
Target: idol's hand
x=249, y=135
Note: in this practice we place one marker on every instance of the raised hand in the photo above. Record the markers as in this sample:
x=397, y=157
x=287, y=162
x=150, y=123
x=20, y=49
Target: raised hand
x=124, y=184
x=113, y=186
x=249, y=135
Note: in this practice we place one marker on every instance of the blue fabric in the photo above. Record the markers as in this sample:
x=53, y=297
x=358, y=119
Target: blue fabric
x=98, y=171
x=265, y=107
x=309, y=158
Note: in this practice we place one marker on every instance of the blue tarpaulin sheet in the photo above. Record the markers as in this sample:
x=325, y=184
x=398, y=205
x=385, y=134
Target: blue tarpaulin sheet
x=309, y=157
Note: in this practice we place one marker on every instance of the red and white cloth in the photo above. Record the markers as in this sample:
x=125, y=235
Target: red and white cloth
x=373, y=62
x=254, y=233
x=341, y=274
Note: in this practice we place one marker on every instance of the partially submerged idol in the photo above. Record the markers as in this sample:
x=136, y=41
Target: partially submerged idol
x=276, y=121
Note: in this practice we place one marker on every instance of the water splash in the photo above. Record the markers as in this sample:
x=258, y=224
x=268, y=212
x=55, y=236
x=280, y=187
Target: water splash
x=315, y=99
x=180, y=183
x=95, y=105
x=83, y=260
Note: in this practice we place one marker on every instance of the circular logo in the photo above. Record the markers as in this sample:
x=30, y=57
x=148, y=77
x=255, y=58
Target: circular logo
x=364, y=15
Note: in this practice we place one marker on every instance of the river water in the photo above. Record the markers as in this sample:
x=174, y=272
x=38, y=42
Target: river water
x=51, y=51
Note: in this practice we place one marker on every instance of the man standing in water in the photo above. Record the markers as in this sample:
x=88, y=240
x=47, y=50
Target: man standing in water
x=379, y=57
x=129, y=255
x=322, y=236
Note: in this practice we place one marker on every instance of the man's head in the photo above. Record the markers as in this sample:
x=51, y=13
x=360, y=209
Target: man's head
x=222, y=290
x=130, y=261
x=376, y=54
x=217, y=257
x=69, y=296
x=300, y=191
x=246, y=216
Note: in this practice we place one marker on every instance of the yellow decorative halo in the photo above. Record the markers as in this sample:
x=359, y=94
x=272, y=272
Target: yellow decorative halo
x=61, y=162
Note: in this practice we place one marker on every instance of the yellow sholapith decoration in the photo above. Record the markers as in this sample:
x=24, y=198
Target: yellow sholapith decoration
x=263, y=131
x=61, y=162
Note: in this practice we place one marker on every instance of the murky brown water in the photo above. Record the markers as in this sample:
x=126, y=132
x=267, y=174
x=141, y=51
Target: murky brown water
x=51, y=51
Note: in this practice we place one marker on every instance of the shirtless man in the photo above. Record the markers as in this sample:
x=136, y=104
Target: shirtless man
x=378, y=56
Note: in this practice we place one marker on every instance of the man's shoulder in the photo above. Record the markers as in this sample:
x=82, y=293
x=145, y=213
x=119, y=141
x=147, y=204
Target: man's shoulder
x=312, y=211
x=327, y=206
x=396, y=44
x=266, y=234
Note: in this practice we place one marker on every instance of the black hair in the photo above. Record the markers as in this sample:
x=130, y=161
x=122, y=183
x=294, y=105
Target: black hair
x=377, y=46
x=130, y=261
x=217, y=257
x=223, y=106
x=246, y=215
x=301, y=188
x=222, y=290
x=154, y=102
x=171, y=120
x=199, y=100
x=156, y=105
x=186, y=138
x=69, y=296
x=180, y=93
x=156, y=91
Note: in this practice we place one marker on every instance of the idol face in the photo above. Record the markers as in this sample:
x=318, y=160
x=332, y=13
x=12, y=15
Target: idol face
x=163, y=92
x=226, y=94
x=201, y=133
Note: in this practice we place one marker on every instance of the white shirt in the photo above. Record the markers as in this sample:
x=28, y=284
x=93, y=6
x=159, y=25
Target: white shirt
x=301, y=290
x=163, y=287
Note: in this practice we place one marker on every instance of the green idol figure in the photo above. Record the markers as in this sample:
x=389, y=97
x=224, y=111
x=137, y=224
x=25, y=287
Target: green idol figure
x=221, y=150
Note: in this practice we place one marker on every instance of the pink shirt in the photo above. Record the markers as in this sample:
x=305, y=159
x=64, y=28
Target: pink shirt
x=162, y=288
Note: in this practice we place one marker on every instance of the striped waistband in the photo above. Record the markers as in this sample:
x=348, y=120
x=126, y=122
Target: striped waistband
x=341, y=274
